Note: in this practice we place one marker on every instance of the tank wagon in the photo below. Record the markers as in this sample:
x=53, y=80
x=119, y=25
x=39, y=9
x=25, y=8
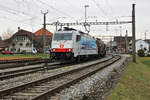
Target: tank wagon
x=71, y=44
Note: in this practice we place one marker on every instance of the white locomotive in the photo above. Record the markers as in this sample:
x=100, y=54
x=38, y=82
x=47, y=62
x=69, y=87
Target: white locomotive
x=73, y=45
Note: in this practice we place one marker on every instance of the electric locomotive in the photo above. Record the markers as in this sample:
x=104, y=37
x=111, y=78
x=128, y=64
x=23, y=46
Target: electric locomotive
x=71, y=44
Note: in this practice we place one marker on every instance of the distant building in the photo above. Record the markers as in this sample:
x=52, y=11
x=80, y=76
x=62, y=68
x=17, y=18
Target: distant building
x=120, y=39
x=121, y=42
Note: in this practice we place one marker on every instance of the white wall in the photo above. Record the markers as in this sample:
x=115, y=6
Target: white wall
x=17, y=42
x=140, y=44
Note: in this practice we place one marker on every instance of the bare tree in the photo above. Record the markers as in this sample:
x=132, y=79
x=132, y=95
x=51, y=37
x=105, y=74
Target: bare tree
x=7, y=34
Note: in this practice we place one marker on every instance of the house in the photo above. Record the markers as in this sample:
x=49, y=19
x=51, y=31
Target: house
x=25, y=41
x=140, y=44
x=21, y=41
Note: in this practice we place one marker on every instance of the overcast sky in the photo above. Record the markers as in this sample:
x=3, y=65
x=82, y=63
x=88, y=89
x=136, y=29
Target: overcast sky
x=27, y=14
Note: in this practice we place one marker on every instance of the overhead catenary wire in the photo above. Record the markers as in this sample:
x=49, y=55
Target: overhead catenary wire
x=109, y=6
x=13, y=20
x=14, y=11
x=50, y=6
x=18, y=12
x=99, y=7
x=73, y=6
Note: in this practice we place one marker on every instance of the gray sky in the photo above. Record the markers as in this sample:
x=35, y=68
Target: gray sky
x=27, y=14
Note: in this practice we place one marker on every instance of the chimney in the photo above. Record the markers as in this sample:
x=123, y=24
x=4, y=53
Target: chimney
x=18, y=28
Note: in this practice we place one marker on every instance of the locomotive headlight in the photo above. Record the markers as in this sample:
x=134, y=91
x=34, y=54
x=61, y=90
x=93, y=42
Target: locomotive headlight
x=70, y=50
x=53, y=50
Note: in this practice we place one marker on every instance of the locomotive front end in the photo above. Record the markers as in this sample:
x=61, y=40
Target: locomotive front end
x=61, y=48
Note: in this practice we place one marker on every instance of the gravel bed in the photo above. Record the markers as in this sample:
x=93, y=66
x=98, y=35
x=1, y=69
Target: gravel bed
x=36, y=76
x=95, y=87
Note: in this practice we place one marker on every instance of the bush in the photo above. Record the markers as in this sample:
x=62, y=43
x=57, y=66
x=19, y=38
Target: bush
x=141, y=53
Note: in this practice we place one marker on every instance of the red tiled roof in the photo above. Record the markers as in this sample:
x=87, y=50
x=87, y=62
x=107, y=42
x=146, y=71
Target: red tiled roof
x=40, y=32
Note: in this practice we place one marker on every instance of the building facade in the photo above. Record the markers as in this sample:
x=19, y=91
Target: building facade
x=122, y=43
x=27, y=42
x=21, y=41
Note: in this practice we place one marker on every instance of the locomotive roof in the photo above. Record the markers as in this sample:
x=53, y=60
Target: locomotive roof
x=71, y=29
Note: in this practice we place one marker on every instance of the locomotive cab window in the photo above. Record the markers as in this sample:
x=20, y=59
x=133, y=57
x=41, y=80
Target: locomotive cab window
x=63, y=36
x=78, y=38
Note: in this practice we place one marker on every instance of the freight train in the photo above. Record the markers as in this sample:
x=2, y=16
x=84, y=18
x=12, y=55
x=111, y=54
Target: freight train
x=71, y=44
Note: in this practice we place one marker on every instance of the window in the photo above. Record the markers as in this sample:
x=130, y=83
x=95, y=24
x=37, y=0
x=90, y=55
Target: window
x=21, y=44
x=78, y=38
x=28, y=44
x=13, y=44
x=61, y=36
x=141, y=46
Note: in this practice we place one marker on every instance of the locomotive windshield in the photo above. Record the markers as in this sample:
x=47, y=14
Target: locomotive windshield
x=63, y=36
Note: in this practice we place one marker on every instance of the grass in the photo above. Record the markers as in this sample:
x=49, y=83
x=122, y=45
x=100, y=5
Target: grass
x=134, y=83
x=22, y=56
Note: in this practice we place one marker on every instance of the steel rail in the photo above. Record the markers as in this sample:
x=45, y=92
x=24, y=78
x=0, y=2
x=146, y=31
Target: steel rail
x=22, y=60
x=18, y=72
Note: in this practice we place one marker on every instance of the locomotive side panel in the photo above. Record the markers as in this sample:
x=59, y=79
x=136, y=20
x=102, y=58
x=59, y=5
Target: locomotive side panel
x=88, y=45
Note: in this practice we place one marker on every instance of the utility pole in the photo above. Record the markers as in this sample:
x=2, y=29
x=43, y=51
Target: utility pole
x=120, y=41
x=56, y=25
x=120, y=31
x=44, y=32
x=127, y=42
x=86, y=18
x=85, y=12
x=145, y=36
x=31, y=21
x=133, y=33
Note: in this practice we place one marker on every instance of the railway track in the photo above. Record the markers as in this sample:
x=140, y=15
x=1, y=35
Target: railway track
x=43, y=88
x=23, y=60
x=15, y=64
x=7, y=73
x=15, y=72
